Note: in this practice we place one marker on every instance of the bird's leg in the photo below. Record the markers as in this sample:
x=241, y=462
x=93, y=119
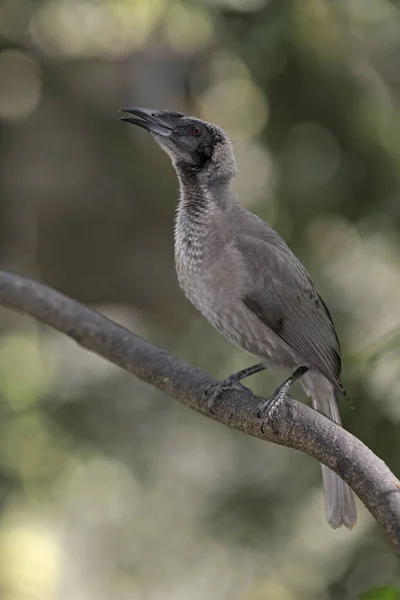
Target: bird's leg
x=216, y=390
x=267, y=408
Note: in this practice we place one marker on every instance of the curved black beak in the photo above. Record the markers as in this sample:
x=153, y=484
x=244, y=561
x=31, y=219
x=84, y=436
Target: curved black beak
x=149, y=119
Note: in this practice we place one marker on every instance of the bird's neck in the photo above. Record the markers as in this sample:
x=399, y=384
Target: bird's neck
x=200, y=201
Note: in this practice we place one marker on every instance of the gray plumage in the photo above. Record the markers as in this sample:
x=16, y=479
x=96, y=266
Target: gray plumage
x=240, y=274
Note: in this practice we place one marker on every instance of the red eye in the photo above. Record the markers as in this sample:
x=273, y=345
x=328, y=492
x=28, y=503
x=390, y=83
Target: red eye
x=194, y=130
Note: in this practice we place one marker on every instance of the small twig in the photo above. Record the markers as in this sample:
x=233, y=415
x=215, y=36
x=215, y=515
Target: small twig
x=294, y=425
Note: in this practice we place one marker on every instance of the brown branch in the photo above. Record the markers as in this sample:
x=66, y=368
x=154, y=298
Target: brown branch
x=294, y=425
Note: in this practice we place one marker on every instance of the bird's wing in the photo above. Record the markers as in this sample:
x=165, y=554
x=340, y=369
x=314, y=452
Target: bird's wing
x=280, y=292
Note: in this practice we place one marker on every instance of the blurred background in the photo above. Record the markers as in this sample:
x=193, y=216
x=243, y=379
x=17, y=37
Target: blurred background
x=109, y=489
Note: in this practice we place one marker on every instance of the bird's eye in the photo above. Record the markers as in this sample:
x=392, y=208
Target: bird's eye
x=194, y=130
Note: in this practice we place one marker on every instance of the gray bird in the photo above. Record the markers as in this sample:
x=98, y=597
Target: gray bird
x=240, y=274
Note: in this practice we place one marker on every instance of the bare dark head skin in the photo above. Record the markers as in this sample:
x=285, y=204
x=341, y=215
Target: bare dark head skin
x=244, y=279
x=195, y=146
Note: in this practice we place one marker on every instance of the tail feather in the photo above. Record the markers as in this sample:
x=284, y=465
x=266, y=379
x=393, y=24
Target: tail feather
x=340, y=507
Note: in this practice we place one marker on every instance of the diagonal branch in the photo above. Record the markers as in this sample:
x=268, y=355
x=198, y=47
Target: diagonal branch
x=294, y=425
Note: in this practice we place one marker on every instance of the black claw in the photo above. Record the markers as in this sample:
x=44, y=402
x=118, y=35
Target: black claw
x=213, y=392
x=267, y=408
x=216, y=390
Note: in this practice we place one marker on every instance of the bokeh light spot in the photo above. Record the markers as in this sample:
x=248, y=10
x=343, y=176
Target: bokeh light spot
x=25, y=373
x=237, y=105
x=20, y=89
x=89, y=28
x=29, y=448
x=256, y=175
x=188, y=28
x=30, y=557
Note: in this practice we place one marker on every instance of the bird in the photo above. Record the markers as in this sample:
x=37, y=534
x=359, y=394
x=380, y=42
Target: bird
x=241, y=275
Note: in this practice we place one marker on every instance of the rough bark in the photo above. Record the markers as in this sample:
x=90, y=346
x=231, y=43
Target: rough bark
x=293, y=424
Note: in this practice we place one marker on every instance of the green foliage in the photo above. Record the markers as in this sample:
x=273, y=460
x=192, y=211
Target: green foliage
x=382, y=593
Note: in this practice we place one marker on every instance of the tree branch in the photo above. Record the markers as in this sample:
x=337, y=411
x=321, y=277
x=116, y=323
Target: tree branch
x=294, y=425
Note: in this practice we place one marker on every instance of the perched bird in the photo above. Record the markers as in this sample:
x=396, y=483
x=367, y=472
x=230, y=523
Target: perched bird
x=240, y=274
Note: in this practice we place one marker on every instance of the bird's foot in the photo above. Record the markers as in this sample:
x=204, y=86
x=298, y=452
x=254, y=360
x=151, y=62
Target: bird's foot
x=267, y=408
x=215, y=391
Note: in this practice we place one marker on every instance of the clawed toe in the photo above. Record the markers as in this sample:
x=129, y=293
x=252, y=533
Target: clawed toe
x=264, y=409
x=212, y=393
x=216, y=390
x=267, y=408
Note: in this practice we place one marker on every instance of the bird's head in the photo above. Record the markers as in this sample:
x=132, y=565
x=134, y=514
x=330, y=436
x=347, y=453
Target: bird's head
x=193, y=145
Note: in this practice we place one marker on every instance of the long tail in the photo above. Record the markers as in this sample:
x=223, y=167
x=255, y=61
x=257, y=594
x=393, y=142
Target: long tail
x=340, y=507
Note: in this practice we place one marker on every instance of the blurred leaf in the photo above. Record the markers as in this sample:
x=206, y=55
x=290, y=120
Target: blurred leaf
x=386, y=592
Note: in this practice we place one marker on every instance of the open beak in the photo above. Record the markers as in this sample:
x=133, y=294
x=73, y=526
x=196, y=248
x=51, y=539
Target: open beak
x=148, y=119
